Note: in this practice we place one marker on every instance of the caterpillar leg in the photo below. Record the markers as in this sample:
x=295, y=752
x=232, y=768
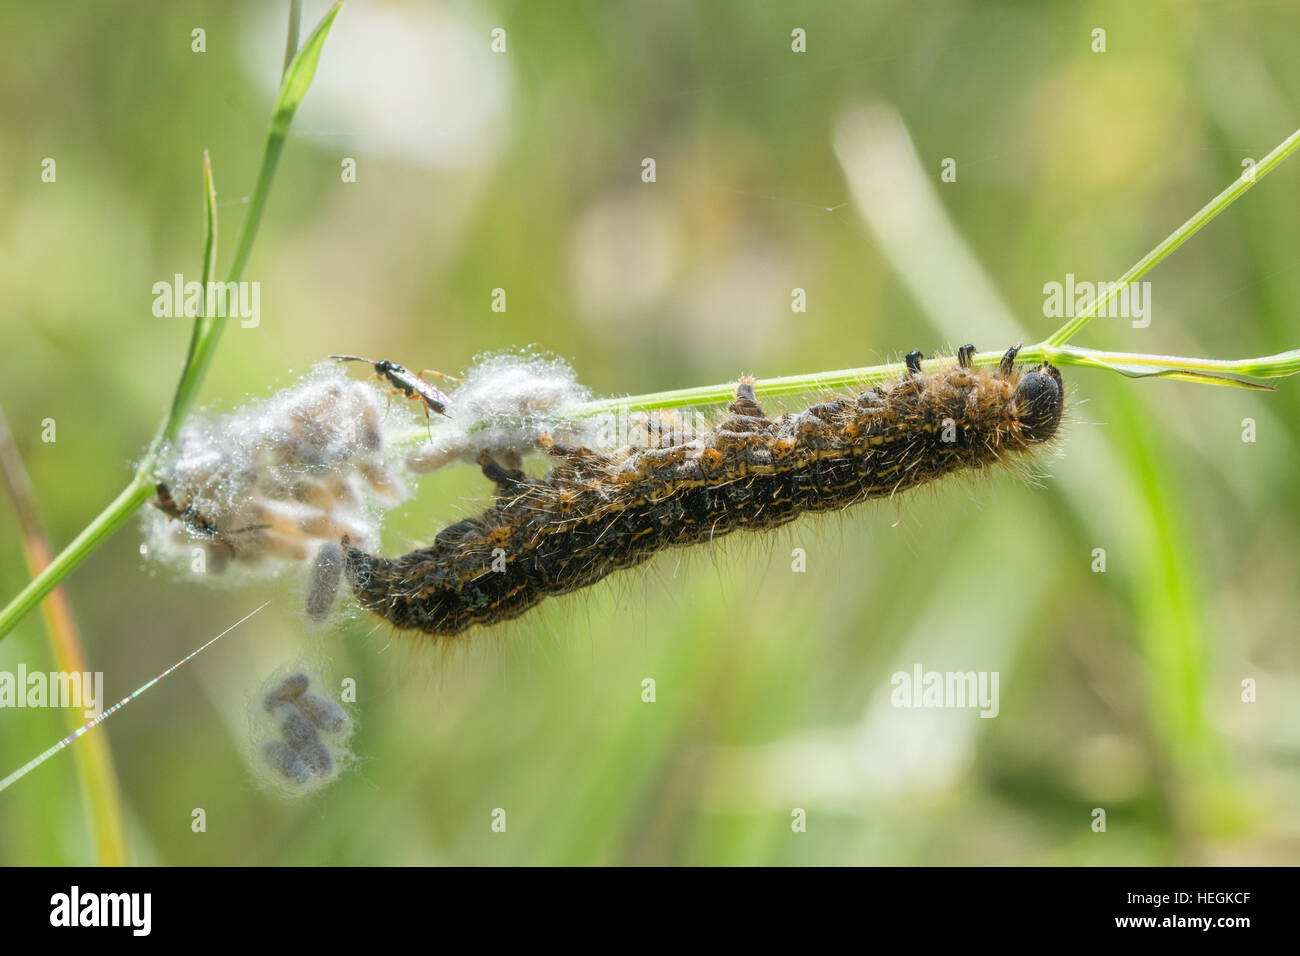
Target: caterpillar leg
x=913, y=361
x=456, y=534
x=504, y=479
x=964, y=355
x=667, y=430
x=577, y=454
x=746, y=414
x=1008, y=361
x=746, y=402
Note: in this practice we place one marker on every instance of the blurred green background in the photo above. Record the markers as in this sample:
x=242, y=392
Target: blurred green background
x=1119, y=690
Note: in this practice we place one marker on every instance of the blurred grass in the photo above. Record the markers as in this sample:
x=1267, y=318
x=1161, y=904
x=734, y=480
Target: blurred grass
x=96, y=774
x=1119, y=690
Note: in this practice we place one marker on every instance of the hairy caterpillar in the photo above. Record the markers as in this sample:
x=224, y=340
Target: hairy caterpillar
x=596, y=512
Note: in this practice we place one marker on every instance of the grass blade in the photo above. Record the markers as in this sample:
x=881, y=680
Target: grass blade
x=1191, y=227
x=101, y=795
x=207, y=332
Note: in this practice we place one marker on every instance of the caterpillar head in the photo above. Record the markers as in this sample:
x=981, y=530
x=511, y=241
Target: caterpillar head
x=1040, y=400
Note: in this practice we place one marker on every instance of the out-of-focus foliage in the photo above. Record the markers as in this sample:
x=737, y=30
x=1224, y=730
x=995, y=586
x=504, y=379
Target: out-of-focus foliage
x=522, y=171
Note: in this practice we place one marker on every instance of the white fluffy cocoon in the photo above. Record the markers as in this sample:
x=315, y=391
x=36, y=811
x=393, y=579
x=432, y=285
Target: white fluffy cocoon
x=505, y=403
x=299, y=732
x=269, y=483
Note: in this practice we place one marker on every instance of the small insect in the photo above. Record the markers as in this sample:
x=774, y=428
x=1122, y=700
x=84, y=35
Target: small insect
x=193, y=519
x=412, y=385
x=188, y=516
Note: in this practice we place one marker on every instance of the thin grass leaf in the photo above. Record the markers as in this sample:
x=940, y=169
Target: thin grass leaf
x=1179, y=374
x=183, y=396
x=296, y=82
x=291, y=40
x=96, y=773
x=1191, y=227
